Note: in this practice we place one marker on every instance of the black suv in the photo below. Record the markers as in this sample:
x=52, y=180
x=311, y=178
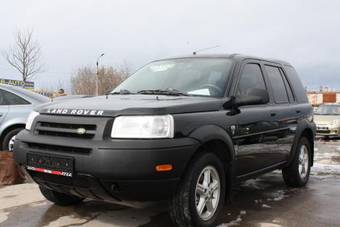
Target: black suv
x=183, y=129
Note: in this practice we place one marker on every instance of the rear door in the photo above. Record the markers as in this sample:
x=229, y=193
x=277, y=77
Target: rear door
x=3, y=107
x=283, y=114
x=18, y=107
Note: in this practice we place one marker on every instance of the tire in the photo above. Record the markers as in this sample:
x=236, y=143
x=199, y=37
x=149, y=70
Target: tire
x=58, y=198
x=297, y=173
x=8, y=137
x=183, y=210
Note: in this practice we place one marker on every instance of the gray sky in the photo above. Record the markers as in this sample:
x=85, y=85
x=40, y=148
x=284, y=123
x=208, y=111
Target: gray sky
x=72, y=33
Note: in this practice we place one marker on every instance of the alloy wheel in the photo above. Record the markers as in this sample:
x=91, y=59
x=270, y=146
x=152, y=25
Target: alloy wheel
x=207, y=193
x=11, y=144
x=303, y=162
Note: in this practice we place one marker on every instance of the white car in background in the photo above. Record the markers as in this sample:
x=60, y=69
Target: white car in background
x=15, y=105
x=327, y=120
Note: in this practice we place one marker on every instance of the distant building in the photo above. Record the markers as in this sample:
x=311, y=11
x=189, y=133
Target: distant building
x=317, y=98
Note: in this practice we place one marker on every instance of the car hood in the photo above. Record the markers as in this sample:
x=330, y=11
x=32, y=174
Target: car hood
x=113, y=105
x=325, y=119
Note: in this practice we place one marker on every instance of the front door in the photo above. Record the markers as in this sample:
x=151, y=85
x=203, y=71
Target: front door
x=255, y=124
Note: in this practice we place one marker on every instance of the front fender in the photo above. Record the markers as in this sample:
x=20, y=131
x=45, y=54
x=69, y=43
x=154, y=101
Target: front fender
x=213, y=132
x=11, y=122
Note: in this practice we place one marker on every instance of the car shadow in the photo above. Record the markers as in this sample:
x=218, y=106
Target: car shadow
x=249, y=200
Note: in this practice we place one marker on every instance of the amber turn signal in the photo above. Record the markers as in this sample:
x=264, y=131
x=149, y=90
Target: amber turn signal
x=164, y=168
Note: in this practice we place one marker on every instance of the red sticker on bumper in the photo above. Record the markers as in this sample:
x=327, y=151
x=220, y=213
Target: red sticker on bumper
x=53, y=172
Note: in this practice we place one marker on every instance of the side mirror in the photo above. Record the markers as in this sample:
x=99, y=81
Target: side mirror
x=255, y=96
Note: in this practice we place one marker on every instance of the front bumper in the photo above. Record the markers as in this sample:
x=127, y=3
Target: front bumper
x=111, y=169
x=323, y=130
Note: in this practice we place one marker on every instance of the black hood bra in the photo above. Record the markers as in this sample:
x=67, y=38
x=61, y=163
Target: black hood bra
x=115, y=105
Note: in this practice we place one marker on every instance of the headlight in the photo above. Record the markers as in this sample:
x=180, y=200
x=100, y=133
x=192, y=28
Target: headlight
x=161, y=126
x=336, y=122
x=30, y=119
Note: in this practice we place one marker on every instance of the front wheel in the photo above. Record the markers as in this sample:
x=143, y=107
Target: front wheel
x=201, y=194
x=9, y=138
x=297, y=173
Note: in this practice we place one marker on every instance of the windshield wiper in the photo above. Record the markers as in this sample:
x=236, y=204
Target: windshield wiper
x=122, y=92
x=169, y=91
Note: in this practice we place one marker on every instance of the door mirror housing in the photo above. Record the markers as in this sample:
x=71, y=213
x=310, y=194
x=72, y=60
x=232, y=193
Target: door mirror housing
x=254, y=96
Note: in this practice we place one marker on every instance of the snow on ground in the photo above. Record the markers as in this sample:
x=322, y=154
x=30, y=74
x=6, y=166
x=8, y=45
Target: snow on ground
x=277, y=196
x=3, y=216
x=326, y=160
x=325, y=169
x=266, y=206
x=235, y=222
x=326, y=163
x=255, y=184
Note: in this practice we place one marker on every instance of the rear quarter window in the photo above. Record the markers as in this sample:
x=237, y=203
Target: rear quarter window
x=288, y=87
x=298, y=88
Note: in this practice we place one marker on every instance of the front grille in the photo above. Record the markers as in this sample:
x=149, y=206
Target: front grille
x=84, y=131
x=57, y=148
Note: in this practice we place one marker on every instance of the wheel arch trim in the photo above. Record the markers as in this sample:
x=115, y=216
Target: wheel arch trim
x=213, y=133
x=8, y=128
x=208, y=133
x=307, y=129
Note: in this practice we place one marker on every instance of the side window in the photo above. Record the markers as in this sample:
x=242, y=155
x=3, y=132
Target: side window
x=288, y=87
x=277, y=83
x=12, y=99
x=251, y=77
x=2, y=98
x=299, y=90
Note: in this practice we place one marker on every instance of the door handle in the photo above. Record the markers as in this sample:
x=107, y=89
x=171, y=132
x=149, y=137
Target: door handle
x=298, y=111
x=273, y=114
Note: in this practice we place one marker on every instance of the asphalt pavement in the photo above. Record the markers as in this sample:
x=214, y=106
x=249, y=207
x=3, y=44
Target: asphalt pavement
x=263, y=202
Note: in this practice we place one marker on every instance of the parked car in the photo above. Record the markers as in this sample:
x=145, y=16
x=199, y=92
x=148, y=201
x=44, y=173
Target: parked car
x=182, y=129
x=15, y=105
x=327, y=120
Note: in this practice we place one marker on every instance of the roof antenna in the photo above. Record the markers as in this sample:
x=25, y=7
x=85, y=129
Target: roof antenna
x=204, y=49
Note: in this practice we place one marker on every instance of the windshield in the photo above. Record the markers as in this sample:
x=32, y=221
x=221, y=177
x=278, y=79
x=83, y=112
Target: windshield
x=328, y=110
x=189, y=76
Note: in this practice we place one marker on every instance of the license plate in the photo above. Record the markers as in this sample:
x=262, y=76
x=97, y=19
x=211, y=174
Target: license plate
x=61, y=166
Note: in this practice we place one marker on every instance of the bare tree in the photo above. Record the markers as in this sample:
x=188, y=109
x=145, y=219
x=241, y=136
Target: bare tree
x=25, y=55
x=84, y=81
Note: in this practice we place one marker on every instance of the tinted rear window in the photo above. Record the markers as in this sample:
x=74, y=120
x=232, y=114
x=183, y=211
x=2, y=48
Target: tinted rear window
x=8, y=98
x=298, y=89
x=276, y=81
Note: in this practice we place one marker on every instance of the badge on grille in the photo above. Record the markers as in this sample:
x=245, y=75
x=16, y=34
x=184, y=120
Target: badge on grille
x=81, y=131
